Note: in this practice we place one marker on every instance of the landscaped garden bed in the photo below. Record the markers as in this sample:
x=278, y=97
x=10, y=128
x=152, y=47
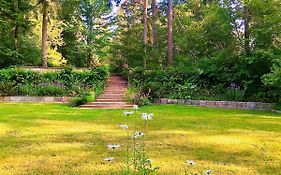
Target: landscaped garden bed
x=48, y=86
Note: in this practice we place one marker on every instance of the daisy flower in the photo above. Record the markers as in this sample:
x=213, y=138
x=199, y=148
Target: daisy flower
x=113, y=146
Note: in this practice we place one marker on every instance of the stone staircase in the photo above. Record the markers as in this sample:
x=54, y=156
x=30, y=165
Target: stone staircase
x=113, y=96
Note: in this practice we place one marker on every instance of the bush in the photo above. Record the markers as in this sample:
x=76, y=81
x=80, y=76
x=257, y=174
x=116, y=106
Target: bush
x=179, y=83
x=134, y=96
x=7, y=89
x=82, y=99
x=278, y=106
x=26, y=90
x=77, y=101
x=67, y=82
x=49, y=90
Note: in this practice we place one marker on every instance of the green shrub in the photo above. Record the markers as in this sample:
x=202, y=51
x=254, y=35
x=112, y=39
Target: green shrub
x=142, y=101
x=77, y=101
x=49, y=90
x=7, y=89
x=278, y=106
x=179, y=83
x=16, y=81
x=89, y=96
x=131, y=94
x=25, y=90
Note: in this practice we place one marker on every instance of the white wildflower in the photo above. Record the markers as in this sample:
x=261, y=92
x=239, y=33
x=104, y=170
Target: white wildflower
x=208, y=172
x=138, y=134
x=191, y=162
x=148, y=162
x=128, y=113
x=109, y=159
x=146, y=116
x=135, y=107
x=124, y=127
x=113, y=146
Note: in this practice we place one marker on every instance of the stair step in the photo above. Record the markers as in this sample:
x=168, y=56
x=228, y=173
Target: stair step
x=117, y=79
x=113, y=95
x=116, y=83
x=110, y=100
x=115, y=91
x=105, y=96
x=116, y=86
x=108, y=103
x=108, y=106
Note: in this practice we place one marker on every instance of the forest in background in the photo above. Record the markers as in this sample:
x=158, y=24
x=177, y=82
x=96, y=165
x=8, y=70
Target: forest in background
x=216, y=44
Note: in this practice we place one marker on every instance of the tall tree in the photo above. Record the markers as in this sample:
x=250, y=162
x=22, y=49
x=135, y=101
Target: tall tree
x=95, y=27
x=170, y=32
x=145, y=30
x=154, y=30
x=15, y=28
x=45, y=11
x=246, y=29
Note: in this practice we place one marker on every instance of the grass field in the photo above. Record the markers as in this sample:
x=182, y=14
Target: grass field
x=56, y=139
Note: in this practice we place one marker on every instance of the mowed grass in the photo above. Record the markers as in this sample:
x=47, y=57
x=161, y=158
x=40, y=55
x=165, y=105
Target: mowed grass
x=57, y=139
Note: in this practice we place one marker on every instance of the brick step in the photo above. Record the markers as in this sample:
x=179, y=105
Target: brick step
x=116, y=88
x=108, y=106
x=114, y=85
x=114, y=91
x=110, y=100
x=116, y=79
x=105, y=96
x=108, y=103
x=112, y=94
x=117, y=84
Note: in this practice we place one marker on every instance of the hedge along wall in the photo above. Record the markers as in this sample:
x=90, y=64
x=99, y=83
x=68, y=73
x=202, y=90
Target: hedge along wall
x=178, y=83
x=66, y=82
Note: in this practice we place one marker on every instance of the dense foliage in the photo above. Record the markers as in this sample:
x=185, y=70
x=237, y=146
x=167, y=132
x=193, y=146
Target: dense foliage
x=203, y=83
x=66, y=82
x=76, y=33
x=215, y=57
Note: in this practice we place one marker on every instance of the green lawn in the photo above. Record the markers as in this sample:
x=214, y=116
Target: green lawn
x=56, y=139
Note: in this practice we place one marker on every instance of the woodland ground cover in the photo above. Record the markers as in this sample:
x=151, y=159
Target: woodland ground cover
x=57, y=139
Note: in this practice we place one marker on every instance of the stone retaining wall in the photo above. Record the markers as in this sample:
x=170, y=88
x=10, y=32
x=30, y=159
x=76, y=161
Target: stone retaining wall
x=34, y=99
x=222, y=104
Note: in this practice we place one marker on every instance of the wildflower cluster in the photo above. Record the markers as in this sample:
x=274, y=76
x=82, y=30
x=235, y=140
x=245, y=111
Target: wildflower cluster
x=138, y=160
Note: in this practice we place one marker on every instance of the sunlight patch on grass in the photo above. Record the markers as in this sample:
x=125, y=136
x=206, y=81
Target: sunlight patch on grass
x=4, y=129
x=69, y=127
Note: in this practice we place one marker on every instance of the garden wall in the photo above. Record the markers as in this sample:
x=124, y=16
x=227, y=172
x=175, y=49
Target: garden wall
x=222, y=104
x=34, y=99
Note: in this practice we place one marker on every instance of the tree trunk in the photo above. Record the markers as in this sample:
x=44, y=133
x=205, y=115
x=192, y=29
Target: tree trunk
x=144, y=30
x=246, y=30
x=16, y=30
x=90, y=58
x=44, y=33
x=170, y=32
x=154, y=30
